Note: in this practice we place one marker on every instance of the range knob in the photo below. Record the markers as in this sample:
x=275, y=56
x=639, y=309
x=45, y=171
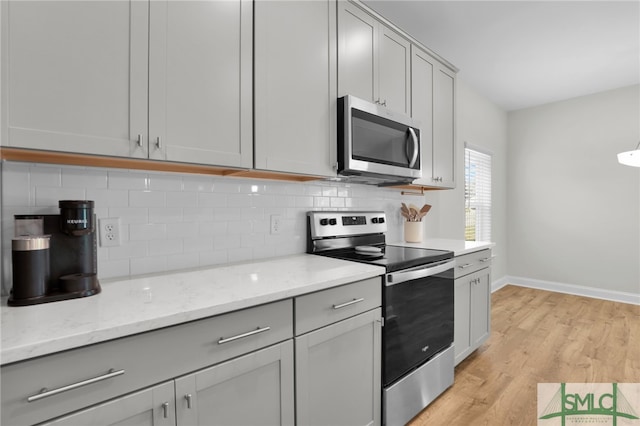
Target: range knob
x=381, y=220
x=333, y=222
x=374, y=220
x=324, y=222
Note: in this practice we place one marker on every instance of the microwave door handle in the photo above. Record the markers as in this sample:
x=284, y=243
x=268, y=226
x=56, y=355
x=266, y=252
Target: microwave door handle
x=414, y=274
x=416, y=149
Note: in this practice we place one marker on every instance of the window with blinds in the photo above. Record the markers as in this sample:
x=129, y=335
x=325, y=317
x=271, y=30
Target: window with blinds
x=477, y=194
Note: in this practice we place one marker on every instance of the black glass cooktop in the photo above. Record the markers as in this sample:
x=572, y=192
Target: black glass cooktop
x=393, y=258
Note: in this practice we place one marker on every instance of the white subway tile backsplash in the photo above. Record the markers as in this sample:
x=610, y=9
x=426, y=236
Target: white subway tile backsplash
x=210, y=199
x=197, y=183
x=199, y=244
x=180, y=230
x=42, y=174
x=181, y=199
x=148, y=265
x=147, y=232
x=133, y=180
x=165, y=247
x=172, y=221
x=130, y=215
x=84, y=178
x=49, y=196
x=183, y=261
x=165, y=182
x=146, y=199
x=165, y=215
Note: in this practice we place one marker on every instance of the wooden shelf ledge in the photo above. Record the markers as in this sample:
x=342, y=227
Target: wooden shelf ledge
x=71, y=159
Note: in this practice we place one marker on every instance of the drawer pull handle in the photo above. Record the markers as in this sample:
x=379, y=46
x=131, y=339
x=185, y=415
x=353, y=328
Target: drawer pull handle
x=486, y=259
x=243, y=335
x=344, y=305
x=44, y=393
x=465, y=266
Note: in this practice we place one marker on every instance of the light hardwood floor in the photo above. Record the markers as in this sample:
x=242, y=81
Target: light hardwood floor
x=538, y=337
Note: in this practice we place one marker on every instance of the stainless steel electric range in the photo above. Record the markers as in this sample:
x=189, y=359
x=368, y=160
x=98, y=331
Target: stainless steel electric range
x=417, y=306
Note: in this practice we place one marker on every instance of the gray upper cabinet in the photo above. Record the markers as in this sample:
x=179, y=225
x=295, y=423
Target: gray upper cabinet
x=295, y=86
x=161, y=79
x=433, y=105
x=74, y=76
x=200, y=82
x=373, y=60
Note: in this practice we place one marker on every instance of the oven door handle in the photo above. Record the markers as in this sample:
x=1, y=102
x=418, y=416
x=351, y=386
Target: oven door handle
x=414, y=274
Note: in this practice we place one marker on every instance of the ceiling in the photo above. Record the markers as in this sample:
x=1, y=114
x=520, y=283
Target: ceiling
x=521, y=54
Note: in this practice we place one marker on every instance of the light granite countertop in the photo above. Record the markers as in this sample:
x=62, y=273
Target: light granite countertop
x=458, y=247
x=136, y=305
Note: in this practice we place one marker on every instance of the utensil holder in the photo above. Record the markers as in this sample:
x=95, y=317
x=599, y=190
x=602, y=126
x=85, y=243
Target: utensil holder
x=413, y=232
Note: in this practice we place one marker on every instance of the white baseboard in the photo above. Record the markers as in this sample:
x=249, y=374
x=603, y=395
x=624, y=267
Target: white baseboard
x=596, y=293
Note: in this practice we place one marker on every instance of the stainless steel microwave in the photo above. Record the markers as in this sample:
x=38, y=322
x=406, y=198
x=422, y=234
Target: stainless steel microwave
x=376, y=145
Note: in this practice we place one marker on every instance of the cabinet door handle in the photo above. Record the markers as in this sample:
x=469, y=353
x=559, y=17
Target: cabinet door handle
x=465, y=266
x=165, y=409
x=352, y=302
x=158, y=146
x=243, y=335
x=139, y=141
x=44, y=393
x=187, y=397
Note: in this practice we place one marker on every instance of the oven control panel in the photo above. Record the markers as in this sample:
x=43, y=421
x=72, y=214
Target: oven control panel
x=326, y=224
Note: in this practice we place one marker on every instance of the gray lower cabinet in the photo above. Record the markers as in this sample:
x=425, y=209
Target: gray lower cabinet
x=472, y=317
x=338, y=355
x=252, y=344
x=149, y=407
x=338, y=373
x=255, y=389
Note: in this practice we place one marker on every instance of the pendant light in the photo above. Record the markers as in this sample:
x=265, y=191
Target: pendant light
x=630, y=158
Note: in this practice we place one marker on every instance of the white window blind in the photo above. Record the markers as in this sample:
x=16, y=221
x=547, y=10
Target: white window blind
x=477, y=194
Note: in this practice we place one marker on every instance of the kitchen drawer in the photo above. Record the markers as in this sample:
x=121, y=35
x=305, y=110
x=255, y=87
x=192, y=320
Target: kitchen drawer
x=142, y=360
x=325, y=307
x=472, y=262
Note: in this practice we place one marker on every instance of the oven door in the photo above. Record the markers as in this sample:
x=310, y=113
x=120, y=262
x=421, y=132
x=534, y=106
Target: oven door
x=418, y=317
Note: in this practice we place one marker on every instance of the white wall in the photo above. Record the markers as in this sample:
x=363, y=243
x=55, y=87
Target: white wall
x=574, y=212
x=483, y=124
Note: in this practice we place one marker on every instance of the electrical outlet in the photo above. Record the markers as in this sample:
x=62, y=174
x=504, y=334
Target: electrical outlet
x=276, y=223
x=109, y=232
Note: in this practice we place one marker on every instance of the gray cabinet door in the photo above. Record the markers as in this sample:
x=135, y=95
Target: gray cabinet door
x=338, y=377
x=433, y=105
x=444, y=87
x=472, y=318
x=200, y=82
x=373, y=60
x=395, y=71
x=462, y=319
x=295, y=86
x=481, y=307
x=357, y=52
x=254, y=389
x=422, y=68
x=150, y=407
x=74, y=76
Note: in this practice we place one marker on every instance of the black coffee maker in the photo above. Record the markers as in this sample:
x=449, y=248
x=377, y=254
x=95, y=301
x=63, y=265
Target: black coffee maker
x=54, y=257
